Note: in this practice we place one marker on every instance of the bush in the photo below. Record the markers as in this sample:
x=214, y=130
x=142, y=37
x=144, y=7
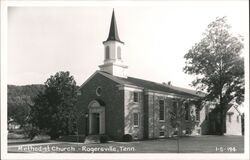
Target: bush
x=127, y=138
x=103, y=138
x=30, y=132
x=53, y=135
x=33, y=132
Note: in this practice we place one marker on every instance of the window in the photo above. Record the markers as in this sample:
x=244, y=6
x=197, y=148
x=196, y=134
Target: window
x=186, y=111
x=197, y=114
x=98, y=91
x=238, y=119
x=162, y=110
x=136, y=97
x=119, y=52
x=229, y=117
x=175, y=107
x=136, y=119
x=162, y=134
x=107, y=56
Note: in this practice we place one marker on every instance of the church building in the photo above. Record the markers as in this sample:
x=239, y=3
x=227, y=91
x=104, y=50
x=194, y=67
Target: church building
x=112, y=103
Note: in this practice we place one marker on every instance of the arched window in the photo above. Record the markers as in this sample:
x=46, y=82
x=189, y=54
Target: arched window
x=119, y=56
x=107, y=52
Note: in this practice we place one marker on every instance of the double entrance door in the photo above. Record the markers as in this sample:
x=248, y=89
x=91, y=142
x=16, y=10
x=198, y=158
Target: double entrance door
x=95, y=124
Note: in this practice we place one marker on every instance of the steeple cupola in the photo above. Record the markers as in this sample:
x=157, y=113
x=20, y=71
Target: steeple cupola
x=113, y=63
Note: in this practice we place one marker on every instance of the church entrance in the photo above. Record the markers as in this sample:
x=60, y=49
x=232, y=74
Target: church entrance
x=95, y=123
x=96, y=118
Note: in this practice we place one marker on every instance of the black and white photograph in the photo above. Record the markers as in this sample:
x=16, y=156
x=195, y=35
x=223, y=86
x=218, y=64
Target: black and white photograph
x=118, y=79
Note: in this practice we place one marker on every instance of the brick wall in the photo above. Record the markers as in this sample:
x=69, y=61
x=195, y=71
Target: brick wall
x=113, y=99
x=131, y=107
x=153, y=126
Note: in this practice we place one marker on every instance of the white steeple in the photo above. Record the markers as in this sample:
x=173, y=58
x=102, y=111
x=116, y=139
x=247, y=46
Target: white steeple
x=113, y=63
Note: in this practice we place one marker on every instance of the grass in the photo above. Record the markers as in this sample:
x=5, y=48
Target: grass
x=198, y=144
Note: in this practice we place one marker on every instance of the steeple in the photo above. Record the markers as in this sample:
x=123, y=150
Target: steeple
x=113, y=31
x=113, y=55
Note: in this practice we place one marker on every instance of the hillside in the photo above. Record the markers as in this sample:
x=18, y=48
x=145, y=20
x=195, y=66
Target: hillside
x=23, y=94
x=19, y=101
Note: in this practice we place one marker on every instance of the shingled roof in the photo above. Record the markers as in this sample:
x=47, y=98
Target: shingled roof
x=154, y=86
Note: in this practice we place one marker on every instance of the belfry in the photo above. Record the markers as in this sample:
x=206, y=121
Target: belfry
x=113, y=62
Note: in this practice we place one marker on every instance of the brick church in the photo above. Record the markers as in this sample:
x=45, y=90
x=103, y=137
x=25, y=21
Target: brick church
x=112, y=103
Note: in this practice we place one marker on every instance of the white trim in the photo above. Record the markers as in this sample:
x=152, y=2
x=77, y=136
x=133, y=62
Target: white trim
x=112, y=64
x=101, y=111
x=167, y=94
x=130, y=88
x=96, y=91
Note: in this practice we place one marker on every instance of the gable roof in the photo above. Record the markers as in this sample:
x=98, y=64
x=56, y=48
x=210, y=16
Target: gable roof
x=153, y=85
x=229, y=108
x=233, y=106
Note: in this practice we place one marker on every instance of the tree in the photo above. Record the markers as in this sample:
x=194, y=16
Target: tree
x=19, y=101
x=54, y=110
x=219, y=68
x=18, y=113
x=177, y=117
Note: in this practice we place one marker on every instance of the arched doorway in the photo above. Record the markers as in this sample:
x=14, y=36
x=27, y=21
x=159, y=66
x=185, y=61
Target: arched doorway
x=96, y=118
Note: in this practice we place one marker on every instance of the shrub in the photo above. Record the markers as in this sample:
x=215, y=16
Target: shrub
x=103, y=138
x=127, y=138
x=30, y=132
x=54, y=135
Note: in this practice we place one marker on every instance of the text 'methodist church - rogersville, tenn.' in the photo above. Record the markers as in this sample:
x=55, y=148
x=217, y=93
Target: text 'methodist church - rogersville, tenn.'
x=115, y=104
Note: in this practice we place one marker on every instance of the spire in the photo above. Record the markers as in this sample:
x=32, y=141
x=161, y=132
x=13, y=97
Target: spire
x=113, y=32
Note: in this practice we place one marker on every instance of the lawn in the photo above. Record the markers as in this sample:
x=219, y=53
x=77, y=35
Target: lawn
x=198, y=144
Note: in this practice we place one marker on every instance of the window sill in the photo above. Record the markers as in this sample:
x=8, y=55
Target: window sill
x=162, y=121
x=136, y=102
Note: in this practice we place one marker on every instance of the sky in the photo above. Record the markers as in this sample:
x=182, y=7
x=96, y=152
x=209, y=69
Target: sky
x=45, y=40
